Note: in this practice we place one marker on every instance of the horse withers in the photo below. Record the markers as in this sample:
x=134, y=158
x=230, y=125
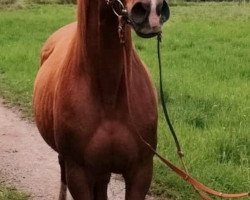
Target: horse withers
x=93, y=102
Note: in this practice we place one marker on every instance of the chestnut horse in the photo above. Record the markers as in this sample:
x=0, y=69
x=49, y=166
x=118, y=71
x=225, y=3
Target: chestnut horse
x=90, y=105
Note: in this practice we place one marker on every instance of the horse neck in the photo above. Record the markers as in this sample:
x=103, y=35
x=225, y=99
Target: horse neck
x=100, y=48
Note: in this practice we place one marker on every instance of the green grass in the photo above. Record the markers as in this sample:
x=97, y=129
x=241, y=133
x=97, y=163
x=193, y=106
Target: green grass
x=23, y=33
x=7, y=193
x=206, y=59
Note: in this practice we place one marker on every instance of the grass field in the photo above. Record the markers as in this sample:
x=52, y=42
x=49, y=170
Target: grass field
x=206, y=59
x=7, y=193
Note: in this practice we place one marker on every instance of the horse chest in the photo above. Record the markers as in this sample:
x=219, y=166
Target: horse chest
x=100, y=141
x=112, y=145
x=101, y=136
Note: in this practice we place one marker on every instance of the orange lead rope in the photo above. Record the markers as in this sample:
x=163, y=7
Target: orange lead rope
x=193, y=181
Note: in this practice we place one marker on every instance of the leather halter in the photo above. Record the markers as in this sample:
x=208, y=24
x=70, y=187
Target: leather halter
x=121, y=12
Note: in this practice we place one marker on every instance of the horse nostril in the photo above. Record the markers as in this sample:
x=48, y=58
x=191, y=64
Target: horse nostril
x=159, y=9
x=163, y=11
x=140, y=12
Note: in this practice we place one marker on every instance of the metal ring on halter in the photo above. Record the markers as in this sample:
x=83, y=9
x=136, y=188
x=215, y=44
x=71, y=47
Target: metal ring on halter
x=120, y=5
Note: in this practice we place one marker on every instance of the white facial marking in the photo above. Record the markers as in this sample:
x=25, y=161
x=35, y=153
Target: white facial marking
x=154, y=4
x=154, y=19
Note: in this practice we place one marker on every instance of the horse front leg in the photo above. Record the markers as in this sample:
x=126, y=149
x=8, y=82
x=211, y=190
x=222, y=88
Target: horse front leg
x=101, y=187
x=63, y=187
x=80, y=182
x=138, y=181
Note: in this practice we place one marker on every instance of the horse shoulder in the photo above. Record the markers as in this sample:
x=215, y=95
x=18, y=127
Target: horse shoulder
x=142, y=78
x=53, y=55
x=58, y=40
x=144, y=96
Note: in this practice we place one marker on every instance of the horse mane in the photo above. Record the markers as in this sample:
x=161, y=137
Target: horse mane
x=82, y=7
x=77, y=51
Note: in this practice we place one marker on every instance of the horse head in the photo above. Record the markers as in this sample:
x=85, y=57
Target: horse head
x=147, y=16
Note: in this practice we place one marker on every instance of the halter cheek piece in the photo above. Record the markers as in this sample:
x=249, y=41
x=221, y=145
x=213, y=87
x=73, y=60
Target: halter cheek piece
x=121, y=12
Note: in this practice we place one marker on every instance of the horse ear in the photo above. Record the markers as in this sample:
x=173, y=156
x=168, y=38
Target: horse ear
x=165, y=12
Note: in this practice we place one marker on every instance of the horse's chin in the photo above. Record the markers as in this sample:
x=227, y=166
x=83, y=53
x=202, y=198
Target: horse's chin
x=147, y=35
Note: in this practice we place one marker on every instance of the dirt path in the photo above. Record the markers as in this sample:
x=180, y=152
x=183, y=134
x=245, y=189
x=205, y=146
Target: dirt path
x=27, y=163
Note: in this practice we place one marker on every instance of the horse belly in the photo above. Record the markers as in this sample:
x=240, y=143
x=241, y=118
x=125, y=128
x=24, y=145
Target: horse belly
x=43, y=108
x=112, y=148
x=53, y=55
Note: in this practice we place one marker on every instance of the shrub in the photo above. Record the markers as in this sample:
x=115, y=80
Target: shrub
x=7, y=2
x=11, y=4
x=42, y=1
x=51, y=1
x=68, y=1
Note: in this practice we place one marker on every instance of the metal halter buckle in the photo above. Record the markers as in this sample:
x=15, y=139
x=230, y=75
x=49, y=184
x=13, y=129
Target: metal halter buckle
x=117, y=7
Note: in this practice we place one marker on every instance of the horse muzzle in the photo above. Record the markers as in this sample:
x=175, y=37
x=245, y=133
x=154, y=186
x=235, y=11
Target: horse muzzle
x=148, y=16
